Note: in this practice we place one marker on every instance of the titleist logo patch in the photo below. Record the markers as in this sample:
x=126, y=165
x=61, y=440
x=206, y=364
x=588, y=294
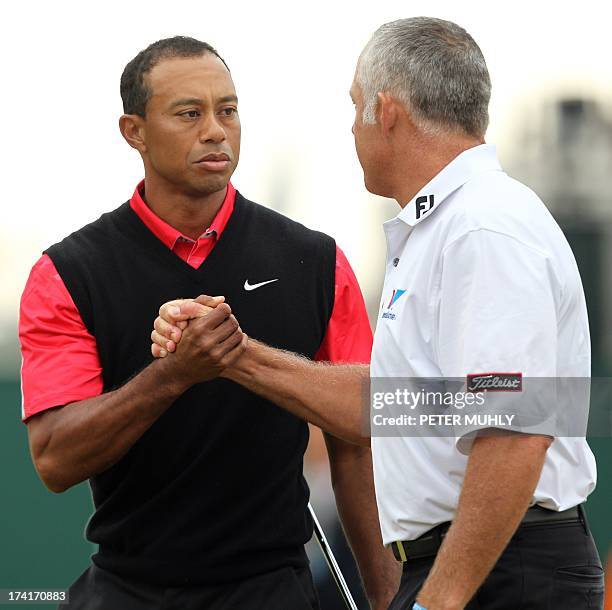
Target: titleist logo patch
x=495, y=382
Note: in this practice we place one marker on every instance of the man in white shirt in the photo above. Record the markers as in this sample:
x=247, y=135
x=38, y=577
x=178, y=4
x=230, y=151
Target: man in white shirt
x=480, y=284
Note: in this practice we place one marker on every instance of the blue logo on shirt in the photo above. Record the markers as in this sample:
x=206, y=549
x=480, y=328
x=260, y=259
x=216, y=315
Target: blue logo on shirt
x=395, y=297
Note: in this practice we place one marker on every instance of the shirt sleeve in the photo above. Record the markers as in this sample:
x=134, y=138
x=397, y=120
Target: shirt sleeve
x=348, y=338
x=60, y=362
x=497, y=315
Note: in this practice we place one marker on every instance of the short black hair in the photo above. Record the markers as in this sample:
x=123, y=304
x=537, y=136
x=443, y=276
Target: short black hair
x=134, y=91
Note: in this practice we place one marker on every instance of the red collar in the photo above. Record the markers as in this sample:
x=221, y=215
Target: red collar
x=168, y=234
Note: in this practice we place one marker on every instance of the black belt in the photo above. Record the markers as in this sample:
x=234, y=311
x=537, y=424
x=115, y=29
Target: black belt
x=428, y=544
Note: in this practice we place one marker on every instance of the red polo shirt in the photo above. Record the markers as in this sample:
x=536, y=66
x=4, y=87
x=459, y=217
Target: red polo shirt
x=60, y=357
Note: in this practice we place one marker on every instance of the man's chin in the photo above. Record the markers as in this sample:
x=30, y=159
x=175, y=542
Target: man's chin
x=212, y=184
x=374, y=188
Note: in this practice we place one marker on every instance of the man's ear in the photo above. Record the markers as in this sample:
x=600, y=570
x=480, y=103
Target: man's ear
x=387, y=112
x=132, y=127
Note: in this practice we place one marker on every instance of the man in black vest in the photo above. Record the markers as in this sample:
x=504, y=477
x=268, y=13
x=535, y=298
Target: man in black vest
x=197, y=483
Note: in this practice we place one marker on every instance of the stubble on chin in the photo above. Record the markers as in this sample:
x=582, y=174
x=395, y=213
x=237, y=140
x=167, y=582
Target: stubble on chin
x=210, y=186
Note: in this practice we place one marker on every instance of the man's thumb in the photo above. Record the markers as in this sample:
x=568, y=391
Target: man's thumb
x=212, y=302
x=192, y=309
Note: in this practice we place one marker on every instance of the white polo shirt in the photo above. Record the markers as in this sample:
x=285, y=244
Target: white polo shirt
x=479, y=278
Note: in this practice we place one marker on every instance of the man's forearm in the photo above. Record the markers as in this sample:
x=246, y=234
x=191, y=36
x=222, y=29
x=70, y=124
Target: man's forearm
x=81, y=439
x=500, y=479
x=86, y=437
x=328, y=396
x=353, y=483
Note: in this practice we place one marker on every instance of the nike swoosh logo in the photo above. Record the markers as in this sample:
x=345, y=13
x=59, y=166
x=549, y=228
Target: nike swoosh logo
x=248, y=286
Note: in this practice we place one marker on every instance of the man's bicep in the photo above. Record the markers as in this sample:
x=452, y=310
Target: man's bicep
x=60, y=362
x=497, y=308
x=498, y=325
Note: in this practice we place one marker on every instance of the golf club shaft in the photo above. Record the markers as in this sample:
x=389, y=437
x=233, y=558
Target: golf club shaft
x=332, y=563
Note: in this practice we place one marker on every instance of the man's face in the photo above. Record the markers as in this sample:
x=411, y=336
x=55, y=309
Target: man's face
x=370, y=146
x=191, y=128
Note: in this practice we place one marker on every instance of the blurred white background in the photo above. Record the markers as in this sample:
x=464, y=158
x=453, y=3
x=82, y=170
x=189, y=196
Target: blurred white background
x=64, y=161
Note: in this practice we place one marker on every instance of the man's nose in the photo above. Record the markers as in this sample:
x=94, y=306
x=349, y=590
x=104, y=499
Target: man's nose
x=212, y=130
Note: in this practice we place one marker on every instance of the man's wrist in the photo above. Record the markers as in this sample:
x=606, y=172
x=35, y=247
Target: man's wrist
x=241, y=368
x=380, y=600
x=438, y=602
x=170, y=376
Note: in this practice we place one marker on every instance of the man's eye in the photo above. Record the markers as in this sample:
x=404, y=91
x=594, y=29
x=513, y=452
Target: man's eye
x=190, y=114
x=229, y=111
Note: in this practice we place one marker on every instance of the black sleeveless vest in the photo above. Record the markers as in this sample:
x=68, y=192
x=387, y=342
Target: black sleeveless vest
x=213, y=492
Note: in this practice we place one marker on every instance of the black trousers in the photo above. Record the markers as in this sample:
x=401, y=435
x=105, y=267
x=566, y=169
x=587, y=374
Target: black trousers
x=284, y=589
x=544, y=567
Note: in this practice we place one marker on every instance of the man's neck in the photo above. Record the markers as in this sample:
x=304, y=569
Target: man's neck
x=191, y=215
x=438, y=155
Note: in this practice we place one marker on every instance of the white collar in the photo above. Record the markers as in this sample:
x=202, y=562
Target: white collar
x=460, y=170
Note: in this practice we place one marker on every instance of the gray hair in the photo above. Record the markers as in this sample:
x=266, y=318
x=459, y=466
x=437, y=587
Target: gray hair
x=434, y=68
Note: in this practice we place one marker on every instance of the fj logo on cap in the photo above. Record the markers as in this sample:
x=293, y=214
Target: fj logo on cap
x=424, y=203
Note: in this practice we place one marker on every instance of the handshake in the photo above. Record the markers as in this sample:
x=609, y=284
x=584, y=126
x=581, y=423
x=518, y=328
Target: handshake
x=202, y=334
x=196, y=340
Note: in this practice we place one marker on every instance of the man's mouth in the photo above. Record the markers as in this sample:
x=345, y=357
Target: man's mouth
x=214, y=162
